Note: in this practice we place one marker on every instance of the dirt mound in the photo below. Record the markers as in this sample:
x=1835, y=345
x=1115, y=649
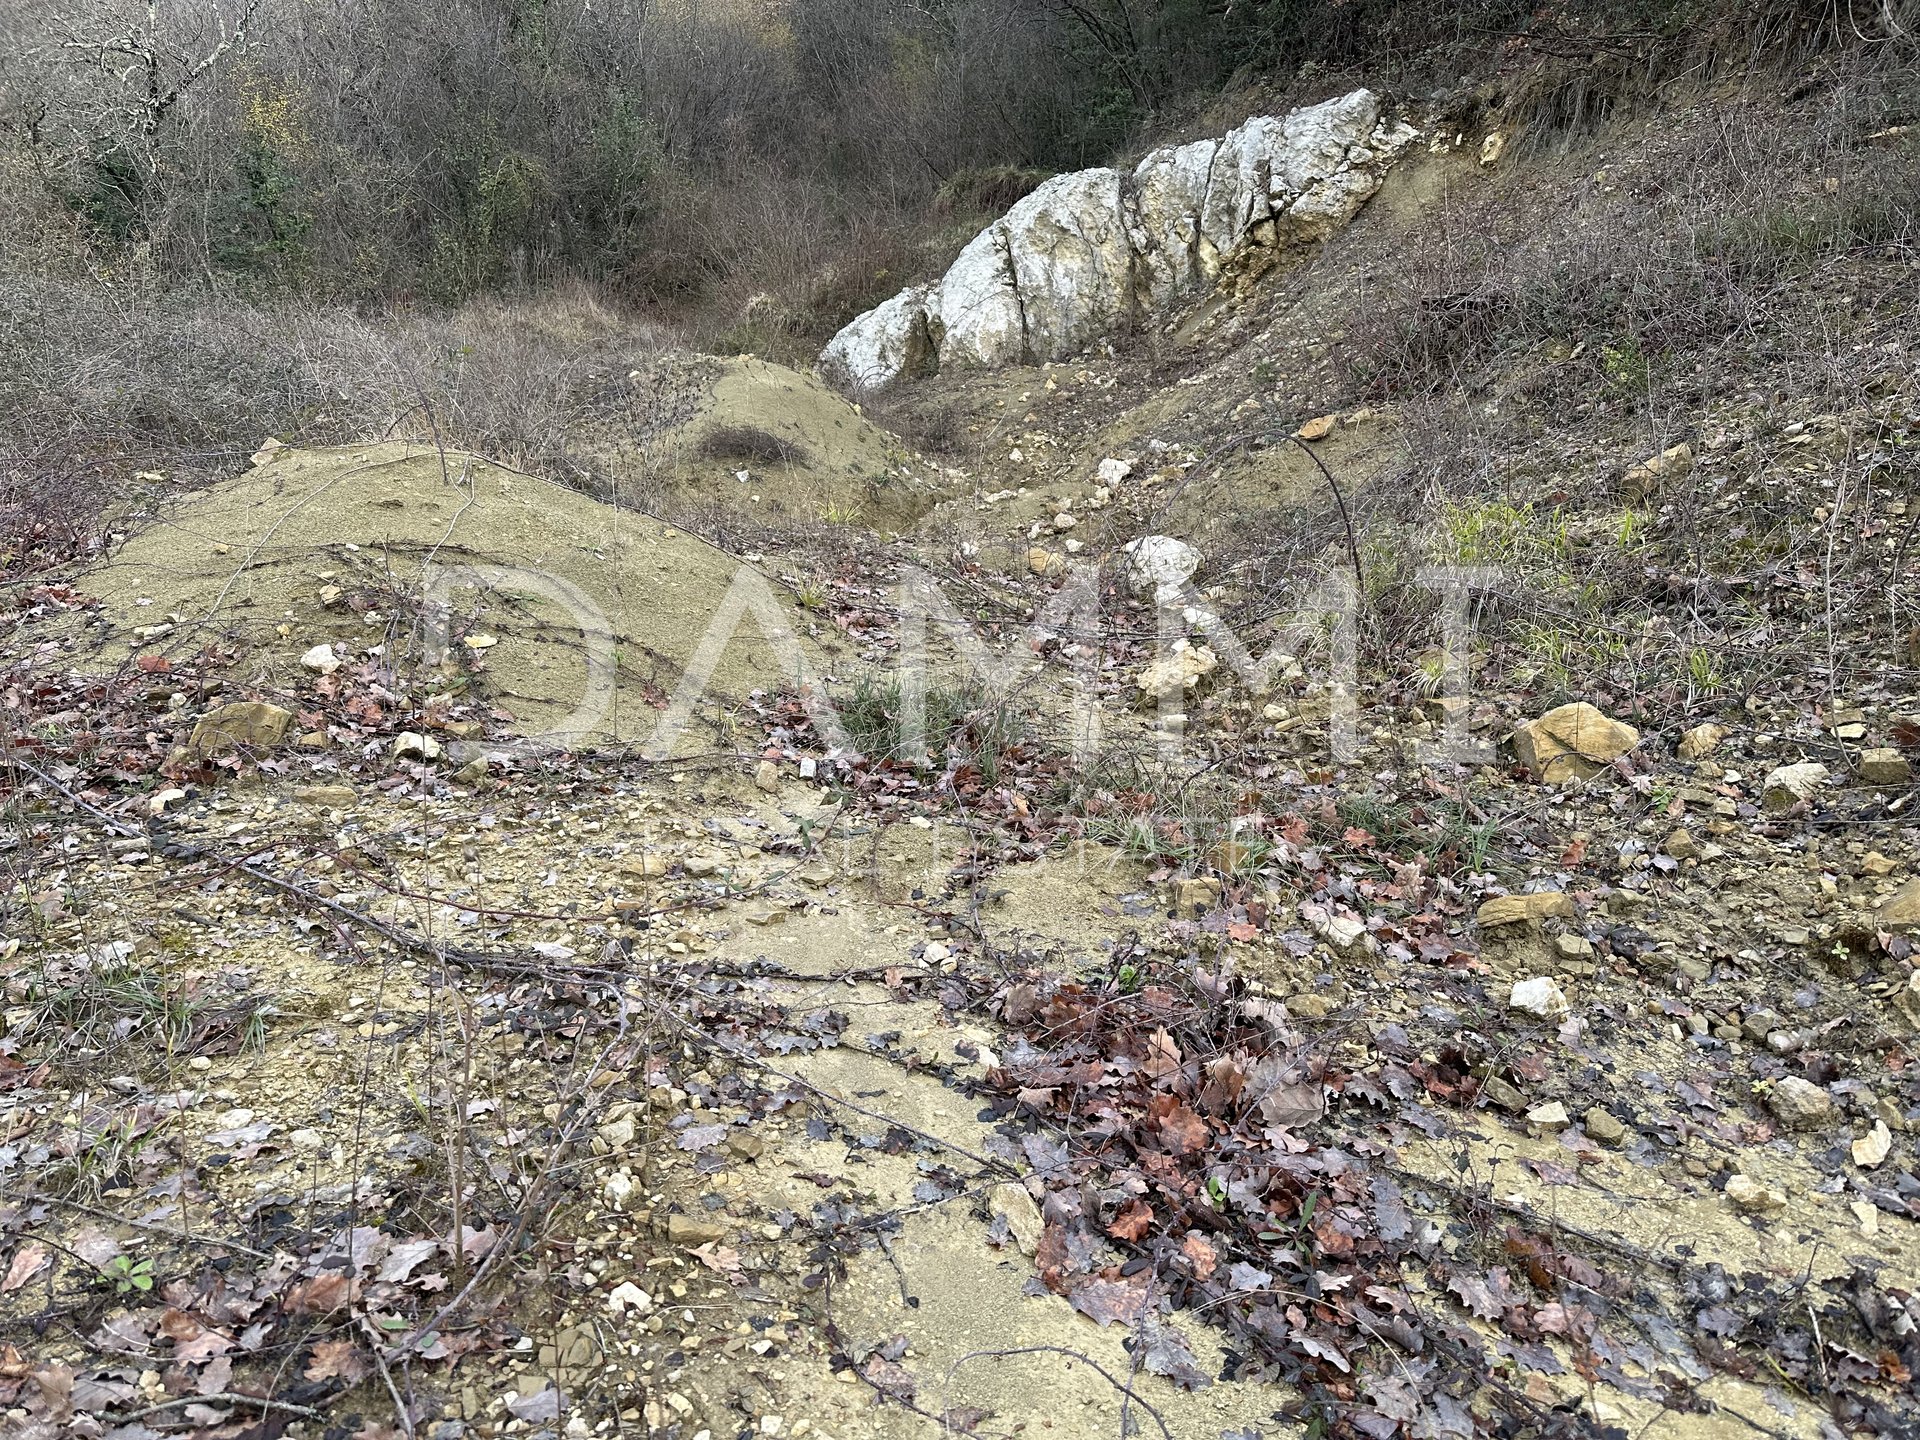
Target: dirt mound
x=753, y=435
x=346, y=547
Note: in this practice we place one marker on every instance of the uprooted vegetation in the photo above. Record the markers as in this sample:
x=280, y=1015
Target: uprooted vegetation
x=1130, y=1026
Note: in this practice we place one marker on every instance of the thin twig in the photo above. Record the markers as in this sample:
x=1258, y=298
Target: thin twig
x=399, y=1407
x=225, y=1397
x=1346, y=519
x=141, y=1225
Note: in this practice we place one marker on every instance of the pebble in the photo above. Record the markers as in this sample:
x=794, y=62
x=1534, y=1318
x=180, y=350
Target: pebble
x=320, y=660
x=412, y=745
x=1604, y=1126
x=1499, y=1092
x=1873, y=1148
x=1788, y=785
x=686, y=1230
x=627, y=1296
x=1885, y=766
x=1701, y=741
x=1682, y=846
x=1799, y=1104
x=1759, y=1024
x=1750, y=1195
x=1525, y=909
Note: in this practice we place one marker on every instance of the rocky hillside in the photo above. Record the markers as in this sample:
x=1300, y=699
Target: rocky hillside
x=1388, y=911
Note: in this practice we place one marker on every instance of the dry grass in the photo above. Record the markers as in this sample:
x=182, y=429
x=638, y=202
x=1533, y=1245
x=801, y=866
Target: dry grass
x=100, y=383
x=1712, y=236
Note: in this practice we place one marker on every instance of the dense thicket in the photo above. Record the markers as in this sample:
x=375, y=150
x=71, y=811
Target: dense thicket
x=672, y=149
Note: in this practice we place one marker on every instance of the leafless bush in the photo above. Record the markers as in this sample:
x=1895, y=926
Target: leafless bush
x=751, y=443
x=99, y=381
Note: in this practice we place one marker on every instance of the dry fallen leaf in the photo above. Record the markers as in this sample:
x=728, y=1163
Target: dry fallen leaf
x=886, y=1375
x=318, y=1295
x=1132, y=1221
x=1107, y=1301
x=337, y=1360
x=27, y=1262
x=217, y=1377
x=55, y=1383
x=543, y=1405
x=715, y=1256
x=1163, y=1056
x=1199, y=1250
x=1182, y=1131
x=404, y=1257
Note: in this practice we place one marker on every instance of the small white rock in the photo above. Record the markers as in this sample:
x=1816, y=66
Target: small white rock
x=1789, y=784
x=321, y=660
x=411, y=745
x=1873, y=1148
x=1749, y=1194
x=1160, y=563
x=1113, y=471
x=1540, y=997
x=628, y=1296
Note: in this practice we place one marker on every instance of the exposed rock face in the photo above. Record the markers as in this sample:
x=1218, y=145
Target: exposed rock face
x=890, y=340
x=1072, y=264
x=975, y=312
x=1087, y=253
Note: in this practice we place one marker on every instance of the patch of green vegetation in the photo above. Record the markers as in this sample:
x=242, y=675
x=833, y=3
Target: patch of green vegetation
x=1387, y=820
x=1626, y=366
x=111, y=997
x=966, y=724
x=127, y=1275
x=1498, y=532
x=1703, y=672
x=1633, y=530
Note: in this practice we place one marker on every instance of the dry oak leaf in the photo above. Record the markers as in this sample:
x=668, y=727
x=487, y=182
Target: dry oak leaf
x=1105, y=1301
x=1163, y=1056
x=327, y=1291
x=1199, y=1250
x=28, y=1261
x=193, y=1342
x=1132, y=1221
x=337, y=1360
x=1181, y=1130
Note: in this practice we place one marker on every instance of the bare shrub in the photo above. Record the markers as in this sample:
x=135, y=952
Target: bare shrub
x=98, y=382
x=1705, y=241
x=751, y=444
